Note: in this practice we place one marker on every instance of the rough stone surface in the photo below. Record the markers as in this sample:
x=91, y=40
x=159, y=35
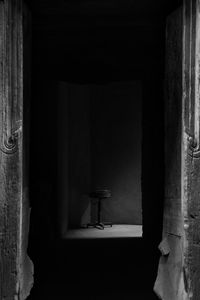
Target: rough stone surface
x=179, y=270
x=170, y=282
x=15, y=266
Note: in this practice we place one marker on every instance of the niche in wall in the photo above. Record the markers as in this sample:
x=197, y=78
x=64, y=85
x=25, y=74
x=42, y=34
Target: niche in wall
x=99, y=146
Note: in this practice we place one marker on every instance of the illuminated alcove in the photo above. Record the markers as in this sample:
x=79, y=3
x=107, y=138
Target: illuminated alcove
x=99, y=146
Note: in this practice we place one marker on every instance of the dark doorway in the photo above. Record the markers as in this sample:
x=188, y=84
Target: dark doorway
x=95, y=43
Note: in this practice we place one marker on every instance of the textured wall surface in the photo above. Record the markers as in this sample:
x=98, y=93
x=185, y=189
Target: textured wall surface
x=15, y=266
x=171, y=280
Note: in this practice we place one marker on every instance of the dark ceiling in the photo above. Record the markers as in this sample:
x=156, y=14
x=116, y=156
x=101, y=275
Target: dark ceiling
x=85, y=39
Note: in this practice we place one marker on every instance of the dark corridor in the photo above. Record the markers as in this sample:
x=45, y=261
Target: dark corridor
x=99, y=42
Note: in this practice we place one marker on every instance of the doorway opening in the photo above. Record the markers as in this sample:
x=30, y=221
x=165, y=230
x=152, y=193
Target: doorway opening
x=107, y=53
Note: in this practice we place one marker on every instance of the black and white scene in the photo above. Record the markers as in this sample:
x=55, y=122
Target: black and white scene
x=99, y=150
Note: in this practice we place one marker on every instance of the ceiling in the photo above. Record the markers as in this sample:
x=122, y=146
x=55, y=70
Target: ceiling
x=82, y=38
x=99, y=7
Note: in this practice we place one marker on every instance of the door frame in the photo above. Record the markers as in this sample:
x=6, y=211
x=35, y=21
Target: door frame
x=16, y=267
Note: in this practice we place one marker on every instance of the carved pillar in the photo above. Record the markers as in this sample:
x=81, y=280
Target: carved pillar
x=179, y=267
x=191, y=147
x=15, y=267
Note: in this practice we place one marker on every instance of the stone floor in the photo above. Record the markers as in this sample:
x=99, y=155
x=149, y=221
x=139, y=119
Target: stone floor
x=116, y=231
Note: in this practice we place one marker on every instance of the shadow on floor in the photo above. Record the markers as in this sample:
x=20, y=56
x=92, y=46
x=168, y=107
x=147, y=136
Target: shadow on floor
x=98, y=269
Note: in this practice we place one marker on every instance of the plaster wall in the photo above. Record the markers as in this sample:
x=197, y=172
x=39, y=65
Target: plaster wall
x=99, y=145
x=116, y=149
